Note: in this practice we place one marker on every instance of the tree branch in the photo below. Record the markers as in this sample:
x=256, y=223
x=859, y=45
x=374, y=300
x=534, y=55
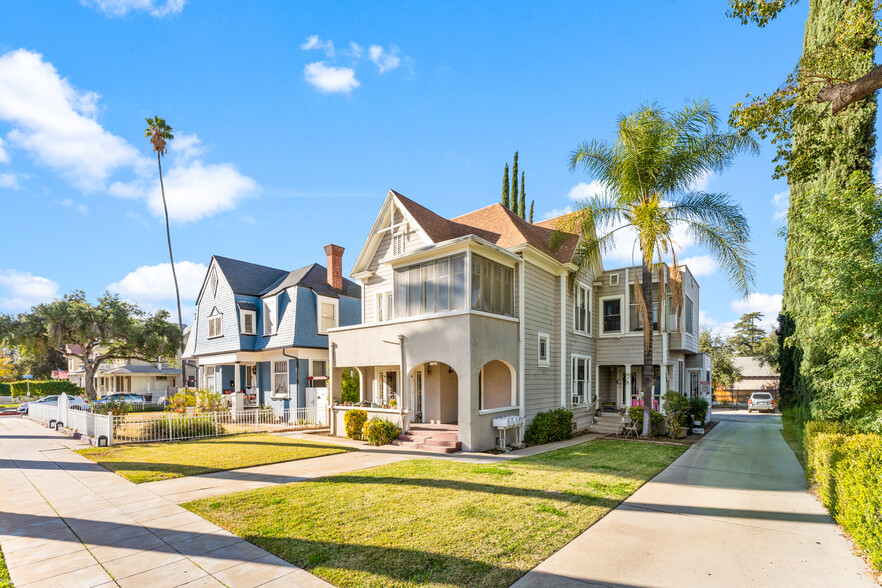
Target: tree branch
x=841, y=95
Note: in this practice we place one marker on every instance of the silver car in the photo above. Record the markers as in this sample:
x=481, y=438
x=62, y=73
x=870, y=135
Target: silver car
x=761, y=401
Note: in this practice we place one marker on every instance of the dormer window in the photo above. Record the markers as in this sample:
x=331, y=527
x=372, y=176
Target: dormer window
x=327, y=314
x=248, y=322
x=215, y=324
x=270, y=315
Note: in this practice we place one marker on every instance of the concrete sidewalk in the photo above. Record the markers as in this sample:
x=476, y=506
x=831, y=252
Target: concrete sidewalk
x=65, y=521
x=731, y=511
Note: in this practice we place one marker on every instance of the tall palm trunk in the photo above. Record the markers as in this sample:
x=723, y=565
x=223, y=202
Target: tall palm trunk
x=646, y=287
x=174, y=273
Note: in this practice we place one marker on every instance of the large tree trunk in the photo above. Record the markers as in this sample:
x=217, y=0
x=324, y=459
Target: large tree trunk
x=171, y=258
x=647, y=351
x=89, y=383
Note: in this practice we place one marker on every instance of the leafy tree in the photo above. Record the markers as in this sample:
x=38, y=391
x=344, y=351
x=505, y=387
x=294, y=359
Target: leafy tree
x=159, y=133
x=522, y=202
x=514, y=187
x=747, y=335
x=506, y=190
x=723, y=370
x=111, y=329
x=7, y=369
x=767, y=351
x=350, y=385
x=648, y=176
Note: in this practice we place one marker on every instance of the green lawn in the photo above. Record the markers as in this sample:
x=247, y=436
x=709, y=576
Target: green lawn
x=5, y=581
x=440, y=523
x=160, y=461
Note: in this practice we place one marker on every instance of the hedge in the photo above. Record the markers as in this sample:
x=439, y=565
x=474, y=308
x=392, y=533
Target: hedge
x=547, y=427
x=380, y=432
x=40, y=388
x=355, y=420
x=848, y=470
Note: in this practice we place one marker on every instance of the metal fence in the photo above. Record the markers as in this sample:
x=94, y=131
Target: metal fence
x=149, y=427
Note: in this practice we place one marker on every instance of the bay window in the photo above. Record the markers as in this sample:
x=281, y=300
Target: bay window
x=431, y=287
x=492, y=286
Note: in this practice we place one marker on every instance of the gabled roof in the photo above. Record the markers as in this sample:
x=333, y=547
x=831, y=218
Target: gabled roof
x=248, y=278
x=314, y=277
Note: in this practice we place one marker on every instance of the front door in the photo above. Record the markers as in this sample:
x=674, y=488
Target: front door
x=418, y=395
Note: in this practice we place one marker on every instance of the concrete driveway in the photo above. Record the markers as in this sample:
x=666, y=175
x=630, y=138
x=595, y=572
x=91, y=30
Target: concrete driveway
x=732, y=511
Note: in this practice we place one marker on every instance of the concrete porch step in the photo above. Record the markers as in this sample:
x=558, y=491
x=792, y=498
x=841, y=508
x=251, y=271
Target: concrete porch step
x=427, y=448
x=426, y=440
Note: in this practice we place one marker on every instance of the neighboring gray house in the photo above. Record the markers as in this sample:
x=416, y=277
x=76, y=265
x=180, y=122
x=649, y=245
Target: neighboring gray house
x=473, y=318
x=263, y=331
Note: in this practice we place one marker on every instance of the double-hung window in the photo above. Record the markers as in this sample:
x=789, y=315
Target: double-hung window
x=215, y=324
x=581, y=385
x=636, y=317
x=280, y=379
x=544, y=351
x=327, y=311
x=612, y=315
x=582, y=310
x=384, y=307
x=319, y=373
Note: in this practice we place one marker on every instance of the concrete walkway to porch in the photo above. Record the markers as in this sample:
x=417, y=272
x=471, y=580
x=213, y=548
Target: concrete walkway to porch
x=66, y=521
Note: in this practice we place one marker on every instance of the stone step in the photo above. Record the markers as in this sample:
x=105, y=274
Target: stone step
x=425, y=440
x=427, y=448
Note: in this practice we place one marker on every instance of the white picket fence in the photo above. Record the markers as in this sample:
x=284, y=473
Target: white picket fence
x=164, y=426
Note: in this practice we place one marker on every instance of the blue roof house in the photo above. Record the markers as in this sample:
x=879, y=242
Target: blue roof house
x=263, y=331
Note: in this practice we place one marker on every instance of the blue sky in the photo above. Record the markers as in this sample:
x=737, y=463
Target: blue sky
x=294, y=119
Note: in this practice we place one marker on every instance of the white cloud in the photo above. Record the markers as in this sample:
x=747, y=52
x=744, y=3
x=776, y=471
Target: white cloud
x=706, y=321
x=556, y=212
x=123, y=7
x=55, y=122
x=384, y=60
x=186, y=146
x=583, y=191
x=768, y=304
x=313, y=42
x=199, y=190
x=152, y=287
x=4, y=157
x=330, y=79
x=700, y=265
x=19, y=291
x=9, y=181
x=78, y=206
x=700, y=184
x=355, y=50
x=781, y=202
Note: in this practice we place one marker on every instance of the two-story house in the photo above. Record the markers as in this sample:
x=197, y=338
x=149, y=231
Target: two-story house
x=151, y=379
x=476, y=317
x=264, y=331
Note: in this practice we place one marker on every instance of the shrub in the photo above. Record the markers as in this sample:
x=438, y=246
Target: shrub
x=379, y=431
x=181, y=427
x=43, y=388
x=180, y=401
x=676, y=407
x=349, y=383
x=548, y=427
x=656, y=419
x=355, y=420
x=848, y=470
x=208, y=401
x=698, y=408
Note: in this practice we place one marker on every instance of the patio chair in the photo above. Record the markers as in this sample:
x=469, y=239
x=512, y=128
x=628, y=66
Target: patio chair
x=628, y=426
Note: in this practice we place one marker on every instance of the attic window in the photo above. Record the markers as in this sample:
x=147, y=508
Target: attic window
x=215, y=324
x=270, y=315
x=249, y=318
x=213, y=281
x=614, y=279
x=398, y=244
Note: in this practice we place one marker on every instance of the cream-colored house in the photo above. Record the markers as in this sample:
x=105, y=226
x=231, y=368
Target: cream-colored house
x=128, y=375
x=468, y=319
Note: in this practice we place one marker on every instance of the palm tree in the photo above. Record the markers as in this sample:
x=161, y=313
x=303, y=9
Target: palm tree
x=649, y=176
x=159, y=133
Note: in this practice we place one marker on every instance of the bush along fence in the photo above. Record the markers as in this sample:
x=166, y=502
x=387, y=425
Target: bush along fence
x=111, y=429
x=39, y=388
x=847, y=467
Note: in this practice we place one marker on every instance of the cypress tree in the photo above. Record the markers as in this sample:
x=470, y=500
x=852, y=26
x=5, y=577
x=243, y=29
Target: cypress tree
x=522, y=205
x=532, y=202
x=514, y=187
x=506, y=196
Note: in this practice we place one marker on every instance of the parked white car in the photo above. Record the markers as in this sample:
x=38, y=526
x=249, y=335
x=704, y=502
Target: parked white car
x=75, y=403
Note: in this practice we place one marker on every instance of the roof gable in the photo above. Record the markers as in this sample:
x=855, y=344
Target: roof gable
x=247, y=278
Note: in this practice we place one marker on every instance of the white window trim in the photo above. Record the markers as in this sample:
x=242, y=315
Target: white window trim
x=590, y=310
x=319, y=300
x=242, y=314
x=622, y=315
x=273, y=374
x=617, y=277
x=273, y=302
x=589, y=392
x=383, y=301
x=216, y=315
x=547, y=361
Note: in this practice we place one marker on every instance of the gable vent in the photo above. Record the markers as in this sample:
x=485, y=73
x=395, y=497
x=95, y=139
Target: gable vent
x=614, y=279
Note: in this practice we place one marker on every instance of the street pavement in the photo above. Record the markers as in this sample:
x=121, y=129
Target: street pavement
x=734, y=510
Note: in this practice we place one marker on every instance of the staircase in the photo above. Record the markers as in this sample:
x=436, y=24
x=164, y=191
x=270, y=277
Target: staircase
x=430, y=438
x=606, y=424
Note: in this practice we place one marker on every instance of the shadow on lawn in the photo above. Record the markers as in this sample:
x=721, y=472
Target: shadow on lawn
x=391, y=563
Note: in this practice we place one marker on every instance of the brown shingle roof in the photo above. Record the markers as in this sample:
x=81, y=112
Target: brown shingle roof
x=494, y=223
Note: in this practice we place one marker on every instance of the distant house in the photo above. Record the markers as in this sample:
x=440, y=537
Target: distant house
x=128, y=375
x=474, y=318
x=755, y=377
x=263, y=331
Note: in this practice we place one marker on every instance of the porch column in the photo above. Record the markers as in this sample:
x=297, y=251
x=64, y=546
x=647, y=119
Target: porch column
x=237, y=379
x=628, y=386
x=404, y=384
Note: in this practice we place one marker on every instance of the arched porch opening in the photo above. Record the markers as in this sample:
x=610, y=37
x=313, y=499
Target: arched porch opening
x=496, y=385
x=434, y=393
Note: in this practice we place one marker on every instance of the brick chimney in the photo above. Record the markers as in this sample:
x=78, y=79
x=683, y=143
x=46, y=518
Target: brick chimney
x=335, y=266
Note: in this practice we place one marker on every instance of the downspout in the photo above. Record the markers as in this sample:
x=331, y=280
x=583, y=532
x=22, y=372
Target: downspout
x=405, y=381
x=563, y=341
x=522, y=360
x=296, y=376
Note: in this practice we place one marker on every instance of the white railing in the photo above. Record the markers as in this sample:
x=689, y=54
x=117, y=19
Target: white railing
x=81, y=421
x=154, y=427
x=42, y=411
